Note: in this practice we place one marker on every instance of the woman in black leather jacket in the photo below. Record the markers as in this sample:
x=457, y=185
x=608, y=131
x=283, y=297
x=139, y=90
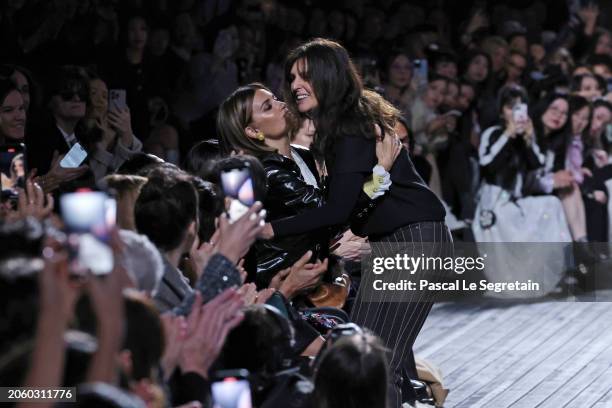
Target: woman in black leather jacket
x=253, y=121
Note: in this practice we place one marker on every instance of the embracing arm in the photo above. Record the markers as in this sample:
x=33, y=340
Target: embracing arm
x=343, y=192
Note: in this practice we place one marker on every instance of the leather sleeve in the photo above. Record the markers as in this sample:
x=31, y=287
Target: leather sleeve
x=294, y=191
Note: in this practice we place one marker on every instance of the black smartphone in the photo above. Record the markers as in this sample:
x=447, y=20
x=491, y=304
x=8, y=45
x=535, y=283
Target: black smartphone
x=237, y=185
x=13, y=166
x=231, y=389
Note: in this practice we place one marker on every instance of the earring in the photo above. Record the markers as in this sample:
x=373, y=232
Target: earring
x=260, y=136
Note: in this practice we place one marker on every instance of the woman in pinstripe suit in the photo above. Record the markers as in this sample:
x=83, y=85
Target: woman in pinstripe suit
x=322, y=82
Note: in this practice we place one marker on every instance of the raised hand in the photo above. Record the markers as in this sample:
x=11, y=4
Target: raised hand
x=207, y=328
x=303, y=275
x=236, y=238
x=58, y=174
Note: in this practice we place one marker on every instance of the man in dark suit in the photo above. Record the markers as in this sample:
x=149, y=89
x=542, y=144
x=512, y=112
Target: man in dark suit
x=55, y=131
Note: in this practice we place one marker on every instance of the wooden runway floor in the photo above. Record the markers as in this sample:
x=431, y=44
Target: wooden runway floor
x=540, y=354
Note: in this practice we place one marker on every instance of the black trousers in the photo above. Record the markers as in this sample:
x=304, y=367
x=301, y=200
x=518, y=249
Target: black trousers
x=399, y=321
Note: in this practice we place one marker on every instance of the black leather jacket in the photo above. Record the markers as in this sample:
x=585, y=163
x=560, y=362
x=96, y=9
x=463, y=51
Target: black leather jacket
x=289, y=195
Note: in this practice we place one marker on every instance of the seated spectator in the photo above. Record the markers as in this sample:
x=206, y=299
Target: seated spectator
x=134, y=70
x=267, y=359
x=12, y=130
x=352, y=373
x=515, y=69
x=142, y=262
x=201, y=159
x=587, y=86
x=431, y=129
x=589, y=181
x=23, y=80
x=554, y=124
x=444, y=63
x=507, y=210
x=166, y=211
x=53, y=135
x=109, y=138
x=398, y=86
x=602, y=117
x=13, y=113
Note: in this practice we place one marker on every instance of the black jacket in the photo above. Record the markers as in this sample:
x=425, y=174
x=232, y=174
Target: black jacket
x=503, y=160
x=288, y=195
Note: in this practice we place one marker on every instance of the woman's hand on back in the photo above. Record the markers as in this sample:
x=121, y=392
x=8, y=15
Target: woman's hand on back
x=387, y=149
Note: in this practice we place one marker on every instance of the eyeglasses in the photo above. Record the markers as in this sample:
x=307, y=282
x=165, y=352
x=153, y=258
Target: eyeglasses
x=69, y=94
x=557, y=111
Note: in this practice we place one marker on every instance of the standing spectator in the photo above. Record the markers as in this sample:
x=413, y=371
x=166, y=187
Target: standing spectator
x=132, y=69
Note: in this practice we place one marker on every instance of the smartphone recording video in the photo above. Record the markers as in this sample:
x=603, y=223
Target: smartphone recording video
x=237, y=184
x=231, y=389
x=117, y=99
x=89, y=217
x=12, y=166
x=520, y=116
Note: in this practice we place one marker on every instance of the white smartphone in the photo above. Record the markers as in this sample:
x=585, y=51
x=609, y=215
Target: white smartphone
x=75, y=156
x=519, y=113
x=237, y=185
x=117, y=99
x=89, y=218
x=231, y=389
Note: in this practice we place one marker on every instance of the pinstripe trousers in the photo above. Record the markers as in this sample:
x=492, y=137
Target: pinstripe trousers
x=399, y=320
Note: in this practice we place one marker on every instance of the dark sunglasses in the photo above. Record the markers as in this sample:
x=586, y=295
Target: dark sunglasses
x=68, y=94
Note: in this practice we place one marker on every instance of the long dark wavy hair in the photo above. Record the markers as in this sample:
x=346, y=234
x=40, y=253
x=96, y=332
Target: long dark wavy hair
x=345, y=108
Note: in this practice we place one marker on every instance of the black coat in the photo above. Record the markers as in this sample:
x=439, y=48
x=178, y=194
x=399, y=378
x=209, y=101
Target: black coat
x=288, y=195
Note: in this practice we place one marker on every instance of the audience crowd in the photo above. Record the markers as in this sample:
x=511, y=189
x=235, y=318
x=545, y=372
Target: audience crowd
x=506, y=114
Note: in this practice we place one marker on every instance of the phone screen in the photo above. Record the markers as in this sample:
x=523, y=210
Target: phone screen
x=421, y=71
x=519, y=112
x=232, y=391
x=12, y=166
x=75, y=156
x=117, y=99
x=89, y=217
x=238, y=184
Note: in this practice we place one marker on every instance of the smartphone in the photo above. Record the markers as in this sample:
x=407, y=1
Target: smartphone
x=13, y=167
x=231, y=389
x=237, y=184
x=420, y=71
x=609, y=85
x=519, y=113
x=74, y=158
x=609, y=133
x=117, y=99
x=89, y=217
